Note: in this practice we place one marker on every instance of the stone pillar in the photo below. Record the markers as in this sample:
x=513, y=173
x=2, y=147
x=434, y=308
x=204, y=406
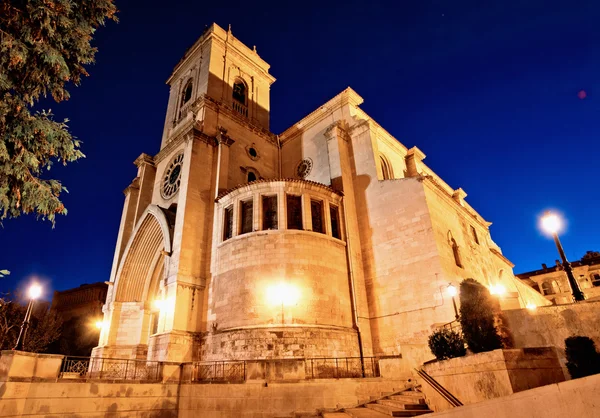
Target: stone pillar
x=340, y=162
x=413, y=159
x=146, y=176
x=224, y=142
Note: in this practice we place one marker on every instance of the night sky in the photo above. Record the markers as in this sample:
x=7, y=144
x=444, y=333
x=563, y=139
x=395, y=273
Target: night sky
x=492, y=92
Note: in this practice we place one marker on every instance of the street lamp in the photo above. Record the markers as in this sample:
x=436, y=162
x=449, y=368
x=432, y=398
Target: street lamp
x=451, y=289
x=551, y=223
x=34, y=292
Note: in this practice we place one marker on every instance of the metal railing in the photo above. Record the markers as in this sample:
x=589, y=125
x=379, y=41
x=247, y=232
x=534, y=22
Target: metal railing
x=219, y=371
x=110, y=368
x=343, y=367
x=449, y=397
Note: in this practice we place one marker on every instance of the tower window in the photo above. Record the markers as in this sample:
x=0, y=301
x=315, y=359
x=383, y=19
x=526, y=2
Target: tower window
x=596, y=280
x=474, y=234
x=228, y=223
x=456, y=252
x=294, y=212
x=269, y=212
x=316, y=213
x=548, y=289
x=335, y=222
x=240, y=92
x=246, y=212
x=386, y=169
x=187, y=93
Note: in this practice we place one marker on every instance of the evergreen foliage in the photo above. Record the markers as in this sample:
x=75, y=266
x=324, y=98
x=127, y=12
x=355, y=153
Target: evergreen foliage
x=582, y=357
x=445, y=344
x=478, y=312
x=44, y=45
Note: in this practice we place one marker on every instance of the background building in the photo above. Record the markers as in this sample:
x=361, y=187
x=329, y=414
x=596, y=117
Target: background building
x=331, y=239
x=80, y=308
x=552, y=281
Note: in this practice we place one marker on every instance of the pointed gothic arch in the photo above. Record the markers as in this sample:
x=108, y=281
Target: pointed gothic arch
x=143, y=256
x=386, y=168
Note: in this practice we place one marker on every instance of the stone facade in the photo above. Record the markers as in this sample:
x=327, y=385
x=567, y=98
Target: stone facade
x=552, y=281
x=331, y=239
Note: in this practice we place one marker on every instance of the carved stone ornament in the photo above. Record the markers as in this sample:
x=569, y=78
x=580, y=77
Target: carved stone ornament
x=303, y=168
x=172, y=177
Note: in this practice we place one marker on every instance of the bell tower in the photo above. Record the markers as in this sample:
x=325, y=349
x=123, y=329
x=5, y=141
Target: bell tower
x=220, y=69
x=216, y=136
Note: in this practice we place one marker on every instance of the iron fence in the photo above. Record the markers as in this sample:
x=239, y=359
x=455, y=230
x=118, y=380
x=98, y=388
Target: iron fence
x=110, y=368
x=219, y=371
x=344, y=367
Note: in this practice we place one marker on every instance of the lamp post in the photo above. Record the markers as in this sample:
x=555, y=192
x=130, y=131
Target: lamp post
x=34, y=292
x=451, y=289
x=551, y=223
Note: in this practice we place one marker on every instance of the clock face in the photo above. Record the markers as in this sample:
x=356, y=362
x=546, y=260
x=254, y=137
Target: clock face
x=172, y=177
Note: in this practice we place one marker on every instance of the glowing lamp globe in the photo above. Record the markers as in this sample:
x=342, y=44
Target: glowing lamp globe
x=551, y=223
x=452, y=290
x=35, y=291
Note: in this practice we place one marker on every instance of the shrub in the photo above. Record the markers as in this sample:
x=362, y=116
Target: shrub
x=445, y=344
x=478, y=312
x=582, y=357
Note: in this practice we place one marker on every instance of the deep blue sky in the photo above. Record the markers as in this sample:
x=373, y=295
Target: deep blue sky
x=488, y=91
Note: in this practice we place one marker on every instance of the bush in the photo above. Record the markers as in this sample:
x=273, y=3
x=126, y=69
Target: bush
x=445, y=344
x=478, y=312
x=582, y=357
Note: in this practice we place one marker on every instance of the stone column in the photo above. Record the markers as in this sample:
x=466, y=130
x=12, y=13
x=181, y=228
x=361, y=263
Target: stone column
x=224, y=142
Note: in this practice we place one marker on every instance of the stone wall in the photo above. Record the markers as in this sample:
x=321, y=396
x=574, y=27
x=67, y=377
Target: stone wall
x=550, y=325
x=574, y=398
x=281, y=342
x=493, y=374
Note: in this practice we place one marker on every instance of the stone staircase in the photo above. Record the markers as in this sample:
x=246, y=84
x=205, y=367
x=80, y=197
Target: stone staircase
x=406, y=403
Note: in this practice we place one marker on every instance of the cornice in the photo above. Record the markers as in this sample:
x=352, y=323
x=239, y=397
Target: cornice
x=287, y=180
x=144, y=159
x=501, y=256
x=346, y=97
x=193, y=133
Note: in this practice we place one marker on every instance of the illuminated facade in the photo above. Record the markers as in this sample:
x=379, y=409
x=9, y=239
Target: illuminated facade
x=328, y=240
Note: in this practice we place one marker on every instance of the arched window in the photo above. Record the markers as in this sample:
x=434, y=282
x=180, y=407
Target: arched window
x=251, y=176
x=187, y=93
x=547, y=289
x=240, y=92
x=386, y=168
x=456, y=252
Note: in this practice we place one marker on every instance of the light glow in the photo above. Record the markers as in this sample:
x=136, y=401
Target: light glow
x=283, y=294
x=452, y=290
x=35, y=291
x=551, y=223
x=99, y=324
x=159, y=304
x=531, y=306
x=497, y=289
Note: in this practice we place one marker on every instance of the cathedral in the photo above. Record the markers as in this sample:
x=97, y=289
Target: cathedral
x=330, y=239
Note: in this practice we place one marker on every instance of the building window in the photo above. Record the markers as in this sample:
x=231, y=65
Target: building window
x=386, y=168
x=187, y=93
x=456, y=252
x=269, y=212
x=228, y=223
x=596, y=280
x=294, y=211
x=474, y=234
x=251, y=176
x=316, y=213
x=240, y=97
x=246, y=216
x=547, y=289
x=335, y=222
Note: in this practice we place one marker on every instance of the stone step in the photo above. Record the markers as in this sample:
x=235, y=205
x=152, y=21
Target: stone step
x=364, y=413
x=408, y=399
x=412, y=393
x=335, y=415
x=396, y=412
x=403, y=405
